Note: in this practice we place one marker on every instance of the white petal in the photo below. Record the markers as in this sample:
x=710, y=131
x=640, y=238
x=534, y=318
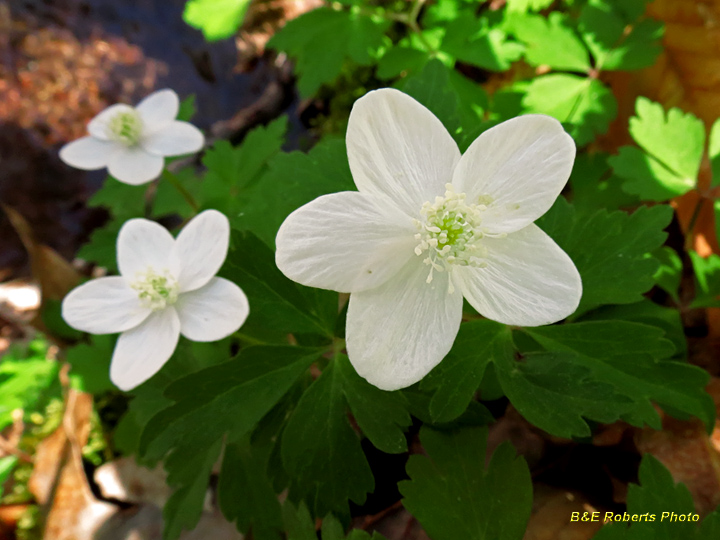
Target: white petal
x=103, y=306
x=399, y=331
x=399, y=148
x=528, y=281
x=201, y=248
x=344, y=242
x=133, y=165
x=98, y=126
x=142, y=243
x=213, y=311
x=88, y=153
x=522, y=164
x=176, y=139
x=158, y=109
x=141, y=352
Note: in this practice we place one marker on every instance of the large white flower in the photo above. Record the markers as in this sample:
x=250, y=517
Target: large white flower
x=429, y=226
x=132, y=142
x=167, y=287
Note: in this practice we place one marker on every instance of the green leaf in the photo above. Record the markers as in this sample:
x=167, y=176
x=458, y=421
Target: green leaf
x=595, y=187
x=231, y=169
x=614, y=44
x=7, y=464
x=245, y=493
x=90, y=365
x=218, y=19
x=189, y=474
x=707, y=280
x=457, y=378
x=585, y=106
x=453, y=495
x=475, y=41
x=279, y=305
x=523, y=6
x=300, y=526
x=669, y=274
x=382, y=416
x=293, y=179
x=551, y=42
x=609, y=250
x=226, y=398
x=400, y=59
x=714, y=153
x=321, y=452
x=632, y=358
x=672, y=148
x=353, y=36
x=431, y=87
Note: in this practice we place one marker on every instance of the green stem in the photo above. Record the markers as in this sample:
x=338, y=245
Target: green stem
x=693, y=221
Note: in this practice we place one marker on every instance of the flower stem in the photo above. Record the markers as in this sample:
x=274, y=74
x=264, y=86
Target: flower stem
x=693, y=221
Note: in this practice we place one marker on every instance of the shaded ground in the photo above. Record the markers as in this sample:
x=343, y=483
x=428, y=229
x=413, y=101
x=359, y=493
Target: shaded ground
x=63, y=61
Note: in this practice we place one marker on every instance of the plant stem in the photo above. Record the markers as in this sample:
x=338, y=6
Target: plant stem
x=184, y=192
x=693, y=221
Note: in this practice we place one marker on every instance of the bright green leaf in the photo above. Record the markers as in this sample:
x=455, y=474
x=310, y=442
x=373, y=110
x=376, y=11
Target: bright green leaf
x=714, y=152
x=707, y=280
x=669, y=274
x=524, y=6
x=453, y=495
x=218, y=19
x=7, y=464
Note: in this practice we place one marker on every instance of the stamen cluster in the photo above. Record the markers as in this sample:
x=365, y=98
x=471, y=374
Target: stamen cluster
x=450, y=233
x=126, y=127
x=156, y=290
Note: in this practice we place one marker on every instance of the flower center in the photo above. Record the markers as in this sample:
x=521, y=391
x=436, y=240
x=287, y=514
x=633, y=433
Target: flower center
x=126, y=127
x=156, y=290
x=449, y=233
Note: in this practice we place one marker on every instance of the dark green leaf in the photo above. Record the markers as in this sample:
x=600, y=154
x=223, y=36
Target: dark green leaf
x=453, y=495
x=90, y=365
x=670, y=272
x=707, y=280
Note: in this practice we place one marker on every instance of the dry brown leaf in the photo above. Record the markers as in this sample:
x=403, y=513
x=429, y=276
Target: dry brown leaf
x=552, y=513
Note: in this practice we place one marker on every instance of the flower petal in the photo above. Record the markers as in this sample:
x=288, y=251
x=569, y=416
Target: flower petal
x=158, y=109
x=142, y=243
x=399, y=148
x=88, y=153
x=103, y=306
x=528, y=281
x=141, y=352
x=344, y=242
x=133, y=165
x=98, y=126
x=398, y=332
x=212, y=312
x=522, y=164
x=175, y=139
x=201, y=248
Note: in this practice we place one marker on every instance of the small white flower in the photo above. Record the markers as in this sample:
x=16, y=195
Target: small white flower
x=429, y=227
x=167, y=287
x=133, y=142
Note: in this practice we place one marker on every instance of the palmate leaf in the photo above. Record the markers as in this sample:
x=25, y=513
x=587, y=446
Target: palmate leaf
x=453, y=495
x=584, y=105
x=609, y=249
x=353, y=36
x=668, y=161
x=320, y=450
x=655, y=497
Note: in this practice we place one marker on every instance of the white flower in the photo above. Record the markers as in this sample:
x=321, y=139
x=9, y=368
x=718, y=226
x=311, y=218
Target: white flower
x=166, y=288
x=429, y=227
x=133, y=142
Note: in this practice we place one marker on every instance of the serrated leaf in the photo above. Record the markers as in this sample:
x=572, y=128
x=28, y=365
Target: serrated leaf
x=278, y=305
x=456, y=379
x=322, y=453
x=453, y=495
x=226, y=398
x=382, y=416
x=672, y=148
x=230, y=169
x=218, y=19
x=246, y=495
x=669, y=274
x=292, y=180
x=594, y=187
x=614, y=44
x=400, y=59
x=354, y=36
x=585, y=106
x=707, y=280
x=551, y=42
x=631, y=357
x=609, y=250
